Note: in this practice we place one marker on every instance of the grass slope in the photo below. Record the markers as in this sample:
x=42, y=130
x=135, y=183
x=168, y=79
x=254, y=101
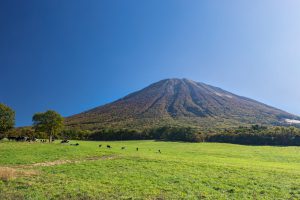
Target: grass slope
x=182, y=171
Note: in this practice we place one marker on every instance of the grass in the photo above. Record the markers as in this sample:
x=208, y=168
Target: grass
x=181, y=171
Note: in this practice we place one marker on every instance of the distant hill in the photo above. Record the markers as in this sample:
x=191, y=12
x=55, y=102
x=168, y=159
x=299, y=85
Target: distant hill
x=180, y=102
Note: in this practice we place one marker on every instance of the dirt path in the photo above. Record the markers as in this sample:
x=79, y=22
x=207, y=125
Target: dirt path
x=61, y=162
x=9, y=173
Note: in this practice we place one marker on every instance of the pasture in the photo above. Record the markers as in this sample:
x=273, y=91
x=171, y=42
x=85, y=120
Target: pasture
x=180, y=171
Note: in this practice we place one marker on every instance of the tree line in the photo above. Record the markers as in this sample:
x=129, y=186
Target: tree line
x=258, y=135
x=50, y=124
x=252, y=135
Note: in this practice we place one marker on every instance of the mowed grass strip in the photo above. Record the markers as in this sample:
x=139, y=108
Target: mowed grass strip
x=180, y=171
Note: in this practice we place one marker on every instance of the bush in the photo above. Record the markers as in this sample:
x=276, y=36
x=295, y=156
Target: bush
x=119, y=134
x=176, y=134
x=75, y=134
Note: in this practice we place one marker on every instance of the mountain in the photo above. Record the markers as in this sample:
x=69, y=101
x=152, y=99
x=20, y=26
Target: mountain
x=180, y=102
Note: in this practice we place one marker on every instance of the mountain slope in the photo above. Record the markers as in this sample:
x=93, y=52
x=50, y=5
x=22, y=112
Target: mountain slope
x=179, y=102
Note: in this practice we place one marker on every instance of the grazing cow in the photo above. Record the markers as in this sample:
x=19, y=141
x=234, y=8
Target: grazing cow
x=108, y=146
x=10, y=138
x=100, y=145
x=21, y=138
x=64, y=141
x=122, y=148
x=74, y=144
x=137, y=149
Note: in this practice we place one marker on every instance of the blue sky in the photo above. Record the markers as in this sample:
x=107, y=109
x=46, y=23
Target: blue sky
x=73, y=55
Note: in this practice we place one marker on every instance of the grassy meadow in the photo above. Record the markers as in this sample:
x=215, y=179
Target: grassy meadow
x=180, y=171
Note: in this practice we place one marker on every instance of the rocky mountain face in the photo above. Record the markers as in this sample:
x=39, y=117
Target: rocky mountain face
x=180, y=102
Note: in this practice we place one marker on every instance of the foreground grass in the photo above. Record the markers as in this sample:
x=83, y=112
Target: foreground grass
x=181, y=171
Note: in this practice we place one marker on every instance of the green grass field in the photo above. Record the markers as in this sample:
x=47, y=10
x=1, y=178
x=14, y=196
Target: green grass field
x=181, y=171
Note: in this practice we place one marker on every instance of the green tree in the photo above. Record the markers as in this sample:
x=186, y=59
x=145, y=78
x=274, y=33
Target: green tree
x=49, y=122
x=7, y=119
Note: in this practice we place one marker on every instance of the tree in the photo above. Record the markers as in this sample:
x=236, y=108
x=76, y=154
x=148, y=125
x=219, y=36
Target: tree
x=7, y=118
x=49, y=122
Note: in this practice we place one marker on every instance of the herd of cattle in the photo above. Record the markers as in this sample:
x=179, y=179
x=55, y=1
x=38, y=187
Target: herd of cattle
x=28, y=139
x=100, y=145
x=109, y=147
x=22, y=139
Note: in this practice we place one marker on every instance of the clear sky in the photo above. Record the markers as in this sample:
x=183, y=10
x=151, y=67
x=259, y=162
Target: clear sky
x=73, y=55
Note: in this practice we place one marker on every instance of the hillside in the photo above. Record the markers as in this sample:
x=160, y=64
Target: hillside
x=180, y=102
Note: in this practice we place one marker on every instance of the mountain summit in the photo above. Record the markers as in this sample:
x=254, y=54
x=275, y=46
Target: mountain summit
x=180, y=102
